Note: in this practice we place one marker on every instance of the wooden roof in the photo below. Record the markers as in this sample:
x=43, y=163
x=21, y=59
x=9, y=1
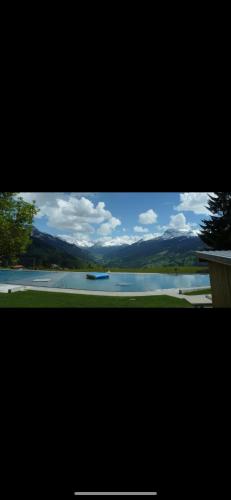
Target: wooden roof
x=219, y=256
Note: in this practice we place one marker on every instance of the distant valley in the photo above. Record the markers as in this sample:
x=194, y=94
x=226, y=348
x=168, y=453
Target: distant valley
x=173, y=248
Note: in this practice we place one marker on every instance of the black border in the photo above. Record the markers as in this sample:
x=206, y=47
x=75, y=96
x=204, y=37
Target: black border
x=154, y=363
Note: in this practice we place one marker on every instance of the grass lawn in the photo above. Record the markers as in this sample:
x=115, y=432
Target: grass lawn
x=30, y=299
x=200, y=292
x=154, y=269
x=164, y=269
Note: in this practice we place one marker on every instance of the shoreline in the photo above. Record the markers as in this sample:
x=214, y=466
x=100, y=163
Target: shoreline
x=172, y=292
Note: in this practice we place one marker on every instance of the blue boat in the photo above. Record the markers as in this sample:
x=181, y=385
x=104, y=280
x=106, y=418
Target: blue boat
x=97, y=276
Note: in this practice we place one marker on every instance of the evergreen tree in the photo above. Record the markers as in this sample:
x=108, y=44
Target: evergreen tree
x=16, y=217
x=216, y=232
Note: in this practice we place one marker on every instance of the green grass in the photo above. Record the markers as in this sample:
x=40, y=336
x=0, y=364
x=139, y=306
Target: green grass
x=155, y=269
x=37, y=299
x=164, y=269
x=200, y=292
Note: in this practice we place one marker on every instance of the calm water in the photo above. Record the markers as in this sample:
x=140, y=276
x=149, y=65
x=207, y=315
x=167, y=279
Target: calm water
x=118, y=282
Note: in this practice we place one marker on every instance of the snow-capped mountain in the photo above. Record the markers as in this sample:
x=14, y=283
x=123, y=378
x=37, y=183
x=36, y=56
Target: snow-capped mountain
x=47, y=250
x=173, y=247
x=58, y=243
x=175, y=233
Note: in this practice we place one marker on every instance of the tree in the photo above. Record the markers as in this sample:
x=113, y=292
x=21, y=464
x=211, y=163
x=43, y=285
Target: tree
x=16, y=218
x=216, y=232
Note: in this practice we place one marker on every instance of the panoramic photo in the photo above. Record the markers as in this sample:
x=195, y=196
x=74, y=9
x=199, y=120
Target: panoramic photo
x=115, y=249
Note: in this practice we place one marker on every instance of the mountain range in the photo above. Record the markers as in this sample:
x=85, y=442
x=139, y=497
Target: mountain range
x=47, y=250
x=173, y=248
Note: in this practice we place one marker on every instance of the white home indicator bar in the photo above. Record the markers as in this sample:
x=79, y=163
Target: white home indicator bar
x=148, y=493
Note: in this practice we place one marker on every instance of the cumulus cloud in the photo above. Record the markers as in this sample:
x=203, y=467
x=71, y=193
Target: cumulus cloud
x=179, y=222
x=109, y=226
x=128, y=240
x=140, y=229
x=42, y=199
x=193, y=202
x=86, y=220
x=50, y=198
x=108, y=241
x=149, y=217
x=71, y=211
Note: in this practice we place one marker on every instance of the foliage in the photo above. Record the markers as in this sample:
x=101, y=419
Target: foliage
x=40, y=255
x=199, y=292
x=173, y=252
x=16, y=217
x=46, y=251
x=216, y=232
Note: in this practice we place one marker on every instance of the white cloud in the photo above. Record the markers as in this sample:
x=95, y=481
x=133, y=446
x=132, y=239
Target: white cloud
x=161, y=229
x=82, y=240
x=109, y=226
x=42, y=199
x=75, y=210
x=150, y=236
x=108, y=241
x=149, y=217
x=50, y=198
x=179, y=222
x=74, y=213
x=125, y=239
x=140, y=229
x=71, y=211
x=196, y=231
x=193, y=202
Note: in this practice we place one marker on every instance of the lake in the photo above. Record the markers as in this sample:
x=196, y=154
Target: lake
x=118, y=282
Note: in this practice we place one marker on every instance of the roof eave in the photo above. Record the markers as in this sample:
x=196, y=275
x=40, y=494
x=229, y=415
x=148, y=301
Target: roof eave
x=213, y=258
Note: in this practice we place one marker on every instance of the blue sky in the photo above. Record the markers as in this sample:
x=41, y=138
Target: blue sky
x=117, y=218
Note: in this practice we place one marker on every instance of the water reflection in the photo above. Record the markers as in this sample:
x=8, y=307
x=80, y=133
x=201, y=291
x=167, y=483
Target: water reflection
x=127, y=282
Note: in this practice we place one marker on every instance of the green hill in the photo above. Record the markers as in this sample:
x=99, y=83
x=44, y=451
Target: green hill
x=46, y=250
x=178, y=250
